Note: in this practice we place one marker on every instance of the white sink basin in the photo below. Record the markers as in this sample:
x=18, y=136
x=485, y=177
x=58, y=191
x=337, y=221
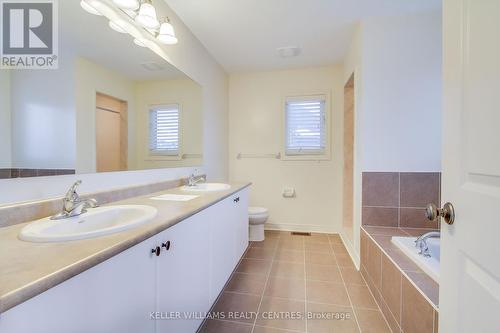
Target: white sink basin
x=207, y=187
x=96, y=222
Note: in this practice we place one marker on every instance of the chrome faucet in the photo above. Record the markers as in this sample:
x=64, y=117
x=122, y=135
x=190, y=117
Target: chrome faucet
x=421, y=242
x=73, y=205
x=193, y=180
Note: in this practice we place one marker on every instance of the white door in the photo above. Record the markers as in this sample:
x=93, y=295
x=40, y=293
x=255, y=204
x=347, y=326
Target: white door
x=470, y=261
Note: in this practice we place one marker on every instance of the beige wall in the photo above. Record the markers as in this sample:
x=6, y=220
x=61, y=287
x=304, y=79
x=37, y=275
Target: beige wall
x=91, y=78
x=255, y=126
x=186, y=93
x=5, y=120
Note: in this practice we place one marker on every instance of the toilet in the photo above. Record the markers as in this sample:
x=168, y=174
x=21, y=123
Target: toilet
x=257, y=217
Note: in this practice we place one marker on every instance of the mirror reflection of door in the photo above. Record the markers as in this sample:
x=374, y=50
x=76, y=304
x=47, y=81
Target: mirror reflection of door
x=111, y=134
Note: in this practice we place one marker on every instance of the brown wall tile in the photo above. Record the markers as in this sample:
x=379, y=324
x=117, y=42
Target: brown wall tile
x=380, y=189
x=380, y=216
x=374, y=264
x=415, y=218
x=419, y=189
x=417, y=314
x=363, y=245
x=391, y=287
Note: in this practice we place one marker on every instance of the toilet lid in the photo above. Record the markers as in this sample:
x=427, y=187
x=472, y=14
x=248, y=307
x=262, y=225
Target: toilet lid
x=256, y=210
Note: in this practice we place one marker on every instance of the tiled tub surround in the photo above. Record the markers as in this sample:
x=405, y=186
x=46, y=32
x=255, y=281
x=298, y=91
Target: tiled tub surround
x=398, y=199
x=406, y=295
x=28, y=269
x=289, y=273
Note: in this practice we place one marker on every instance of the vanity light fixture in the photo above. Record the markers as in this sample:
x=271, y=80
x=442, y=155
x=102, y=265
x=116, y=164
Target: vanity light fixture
x=89, y=9
x=139, y=42
x=147, y=15
x=166, y=35
x=127, y=4
x=117, y=26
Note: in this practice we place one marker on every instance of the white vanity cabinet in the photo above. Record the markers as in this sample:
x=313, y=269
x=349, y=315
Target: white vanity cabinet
x=120, y=294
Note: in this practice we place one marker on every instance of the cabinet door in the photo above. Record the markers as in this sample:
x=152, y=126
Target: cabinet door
x=240, y=220
x=115, y=296
x=183, y=275
x=222, y=245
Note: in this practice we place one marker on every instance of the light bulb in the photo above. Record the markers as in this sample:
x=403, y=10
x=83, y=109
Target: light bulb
x=88, y=8
x=127, y=4
x=147, y=16
x=117, y=26
x=138, y=42
x=167, y=34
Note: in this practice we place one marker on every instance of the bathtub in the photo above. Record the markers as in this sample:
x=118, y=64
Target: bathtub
x=429, y=265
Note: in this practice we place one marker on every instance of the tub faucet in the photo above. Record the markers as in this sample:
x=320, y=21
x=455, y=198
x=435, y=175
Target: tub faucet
x=421, y=242
x=193, y=180
x=73, y=205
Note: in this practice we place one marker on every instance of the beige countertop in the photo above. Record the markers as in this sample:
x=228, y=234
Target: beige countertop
x=28, y=269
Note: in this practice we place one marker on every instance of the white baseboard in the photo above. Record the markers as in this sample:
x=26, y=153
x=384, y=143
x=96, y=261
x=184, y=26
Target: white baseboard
x=350, y=249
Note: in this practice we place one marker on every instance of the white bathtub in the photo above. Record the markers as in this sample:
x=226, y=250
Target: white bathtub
x=428, y=265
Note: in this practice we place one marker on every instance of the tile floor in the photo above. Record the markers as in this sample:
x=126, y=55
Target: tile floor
x=296, y=284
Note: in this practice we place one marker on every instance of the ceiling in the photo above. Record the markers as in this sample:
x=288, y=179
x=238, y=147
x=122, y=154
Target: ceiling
x=89, y=36
x=243, y=35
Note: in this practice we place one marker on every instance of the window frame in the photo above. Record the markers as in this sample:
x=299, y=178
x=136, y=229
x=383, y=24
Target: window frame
x=157, y=155
x=307, y=156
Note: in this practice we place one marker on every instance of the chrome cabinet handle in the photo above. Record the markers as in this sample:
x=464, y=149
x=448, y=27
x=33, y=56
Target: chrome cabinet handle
x=447, y=212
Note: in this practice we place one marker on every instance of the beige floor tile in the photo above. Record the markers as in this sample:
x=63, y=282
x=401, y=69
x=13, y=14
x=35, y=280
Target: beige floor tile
x=318, y=247
x=282, y=313
x=335, y=239
x=218, y=326
x=323, y=273
x=268, y=243
x=361, y=297
x=317, y=239
x=371, y=321
x=339, y=249
x=230, y=304
x=344, y=260
x=259, y=253
x=254, y=266
x=285, y=288
x=291, y=244
x=352, y=276
x=289, y=255
x=288, y=270
x=263, y=329
x=331, y=319
x=319, y=258
x=247, y=283
x=326, y=292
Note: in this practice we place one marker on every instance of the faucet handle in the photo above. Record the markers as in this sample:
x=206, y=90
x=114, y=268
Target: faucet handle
x=71, y=194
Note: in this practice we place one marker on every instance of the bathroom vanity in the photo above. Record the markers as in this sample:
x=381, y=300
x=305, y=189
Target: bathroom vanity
x=160, y=277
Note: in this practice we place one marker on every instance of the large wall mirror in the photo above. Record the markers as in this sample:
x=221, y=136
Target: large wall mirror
x=111, y=106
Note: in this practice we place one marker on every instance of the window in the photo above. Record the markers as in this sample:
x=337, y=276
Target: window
x=164, y=130
x=305, y=125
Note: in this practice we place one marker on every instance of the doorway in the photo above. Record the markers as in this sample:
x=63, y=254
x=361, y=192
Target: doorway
x=348, y=192
x=111, y=134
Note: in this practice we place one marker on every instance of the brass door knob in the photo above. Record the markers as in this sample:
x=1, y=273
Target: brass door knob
x=447, y=212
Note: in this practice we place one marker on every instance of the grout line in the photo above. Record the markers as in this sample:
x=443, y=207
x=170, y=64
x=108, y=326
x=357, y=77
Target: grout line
x=382, y=300
x=265, y=284
x=345, y=287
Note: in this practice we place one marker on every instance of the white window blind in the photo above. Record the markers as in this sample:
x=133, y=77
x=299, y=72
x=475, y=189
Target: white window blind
x=305, y=125
x=164, y=129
